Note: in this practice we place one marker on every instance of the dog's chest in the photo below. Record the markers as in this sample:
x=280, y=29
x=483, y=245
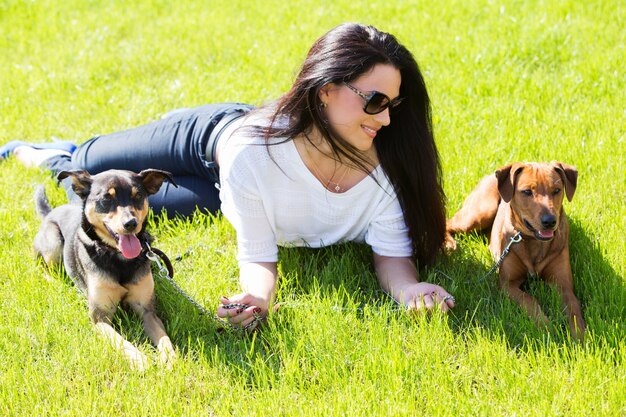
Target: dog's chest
x=113, y=265
x=535, y=255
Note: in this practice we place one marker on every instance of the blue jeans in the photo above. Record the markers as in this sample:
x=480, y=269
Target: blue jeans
x=176, y=143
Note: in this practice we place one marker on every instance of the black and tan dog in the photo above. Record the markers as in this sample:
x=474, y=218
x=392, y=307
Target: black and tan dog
x=102, y=245
x=526, y=198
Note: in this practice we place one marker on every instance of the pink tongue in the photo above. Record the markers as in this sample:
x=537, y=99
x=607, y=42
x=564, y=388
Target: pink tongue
x=130, y=246
x=546, y=233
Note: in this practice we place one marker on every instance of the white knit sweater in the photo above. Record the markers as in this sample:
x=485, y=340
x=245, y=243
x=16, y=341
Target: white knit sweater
x=272, y=199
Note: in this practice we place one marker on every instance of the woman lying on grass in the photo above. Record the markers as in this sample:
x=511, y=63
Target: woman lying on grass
x=347, y=154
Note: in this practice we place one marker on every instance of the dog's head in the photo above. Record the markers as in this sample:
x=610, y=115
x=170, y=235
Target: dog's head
x=116, y=203
x=535, y=192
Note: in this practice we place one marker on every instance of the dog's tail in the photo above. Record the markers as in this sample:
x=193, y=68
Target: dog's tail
x=42, y=205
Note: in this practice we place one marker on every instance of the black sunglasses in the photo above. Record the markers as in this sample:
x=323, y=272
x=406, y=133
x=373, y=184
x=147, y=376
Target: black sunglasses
x=375, y=102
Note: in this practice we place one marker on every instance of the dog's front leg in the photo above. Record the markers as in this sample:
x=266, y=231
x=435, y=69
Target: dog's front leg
x=141, y=300
x=559, y=274
x=101, y=310
x=136, y=358
x=156, y=332
x=572, y=308
x=511, y=277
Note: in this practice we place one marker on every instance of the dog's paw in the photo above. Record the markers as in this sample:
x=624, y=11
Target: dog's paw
x=449, y=244
x=167, y=354
x=168, y=359
x=138, y=361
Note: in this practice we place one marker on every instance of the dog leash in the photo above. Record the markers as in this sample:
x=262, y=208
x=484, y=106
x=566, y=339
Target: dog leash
x=151, y=254
x=166, y=271
x=514, y=239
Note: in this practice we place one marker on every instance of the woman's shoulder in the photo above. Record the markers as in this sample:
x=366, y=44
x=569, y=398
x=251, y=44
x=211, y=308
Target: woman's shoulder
x=246, y=142
x=251, y=128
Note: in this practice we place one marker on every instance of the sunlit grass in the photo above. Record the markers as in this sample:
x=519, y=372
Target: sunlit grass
x=509, y=81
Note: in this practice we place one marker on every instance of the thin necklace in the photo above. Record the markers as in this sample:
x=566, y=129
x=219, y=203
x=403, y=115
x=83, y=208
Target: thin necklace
x=337, y=185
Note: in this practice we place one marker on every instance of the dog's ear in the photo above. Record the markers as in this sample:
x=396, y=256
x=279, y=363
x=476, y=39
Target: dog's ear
x=81, y=181
x=569, y=175
x=506, y=180
x=152, y=179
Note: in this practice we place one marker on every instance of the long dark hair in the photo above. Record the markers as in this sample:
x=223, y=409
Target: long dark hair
x=406, y=148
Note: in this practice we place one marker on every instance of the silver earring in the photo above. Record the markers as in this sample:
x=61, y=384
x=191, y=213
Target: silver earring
x=323, y=105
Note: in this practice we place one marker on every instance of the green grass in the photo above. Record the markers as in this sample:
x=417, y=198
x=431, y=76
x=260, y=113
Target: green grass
x=509, y=80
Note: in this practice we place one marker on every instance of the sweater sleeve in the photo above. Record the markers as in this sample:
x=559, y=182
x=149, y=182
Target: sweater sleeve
x=388, y=233
x=242, y=205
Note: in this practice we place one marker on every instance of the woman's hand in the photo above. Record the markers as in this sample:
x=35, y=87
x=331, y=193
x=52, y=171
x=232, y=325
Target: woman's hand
x=423, y=296
x=399, y=278
x=258, y=280
x=240, y=315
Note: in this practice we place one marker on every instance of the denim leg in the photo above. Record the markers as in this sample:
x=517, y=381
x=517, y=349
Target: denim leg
x=175, y=143
x=60, y=163
x=192, y=191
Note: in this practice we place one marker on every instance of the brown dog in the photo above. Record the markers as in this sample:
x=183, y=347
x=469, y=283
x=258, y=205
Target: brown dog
x=103, y=245
x=526, y=198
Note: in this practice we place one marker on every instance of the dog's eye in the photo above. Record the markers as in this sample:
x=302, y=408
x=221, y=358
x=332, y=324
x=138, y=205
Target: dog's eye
x=104, y=204
x=528, y=193
x=138, y=197
x=556, y=191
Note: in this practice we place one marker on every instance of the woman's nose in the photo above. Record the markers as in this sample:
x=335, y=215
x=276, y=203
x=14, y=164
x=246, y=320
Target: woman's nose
x=383, y=117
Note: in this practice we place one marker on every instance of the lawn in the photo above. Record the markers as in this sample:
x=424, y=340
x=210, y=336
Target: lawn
x=510, y=81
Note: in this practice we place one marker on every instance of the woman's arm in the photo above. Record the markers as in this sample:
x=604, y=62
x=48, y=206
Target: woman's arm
x=398, y=276
x=258, y=280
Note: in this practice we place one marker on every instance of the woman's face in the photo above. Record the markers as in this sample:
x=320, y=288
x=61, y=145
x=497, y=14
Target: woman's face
x=344, y=107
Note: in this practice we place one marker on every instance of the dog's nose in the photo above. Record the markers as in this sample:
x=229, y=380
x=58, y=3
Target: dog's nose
x=548, y=221
x=130, y=225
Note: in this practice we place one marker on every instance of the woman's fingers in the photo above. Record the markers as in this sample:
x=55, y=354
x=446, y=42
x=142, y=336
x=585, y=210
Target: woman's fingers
x=444, y=300
x=428, y=301
x=448, y=302
x=237, y=313
x=253, y=319
x=237, y=299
